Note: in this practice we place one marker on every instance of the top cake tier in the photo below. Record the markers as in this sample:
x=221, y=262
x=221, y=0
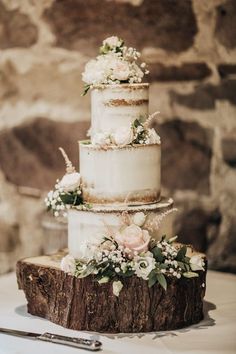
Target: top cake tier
x=115, y=106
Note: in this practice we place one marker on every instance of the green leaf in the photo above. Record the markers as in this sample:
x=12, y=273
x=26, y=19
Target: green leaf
x=181, y=253
x=152, y=279
x=156, y=251
x=182, y=265
x=86, y=89
x=89, y=269
x=103, y=280
x=190, y=275
x=161, y=280
x=127, y=274
x=71, y=198
x=136, y=123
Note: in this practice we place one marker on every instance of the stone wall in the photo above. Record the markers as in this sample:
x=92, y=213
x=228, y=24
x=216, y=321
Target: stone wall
x=190, y=47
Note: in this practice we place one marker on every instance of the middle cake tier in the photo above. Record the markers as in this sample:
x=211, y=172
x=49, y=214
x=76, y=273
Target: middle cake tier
x=127, y=175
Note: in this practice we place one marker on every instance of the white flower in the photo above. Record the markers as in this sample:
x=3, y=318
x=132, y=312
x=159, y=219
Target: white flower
x=50, y=195
x=98, y=70
x=89, y=250
x=196, y=263
x=153, y=137
x=137, y=72
x=70, y=182
x=112, y=41
x=143, y=266
x=123, y=136
x=68, y=264
x=121, y=70
x=101, y=139
x=94, y=72
x=139, y=218
x=117, y=286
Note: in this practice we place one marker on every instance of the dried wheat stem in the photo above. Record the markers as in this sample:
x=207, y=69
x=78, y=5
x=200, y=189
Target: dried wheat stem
x=149, y=119
x=69, y=167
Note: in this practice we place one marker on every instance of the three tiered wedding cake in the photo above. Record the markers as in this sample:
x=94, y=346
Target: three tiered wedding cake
x=119, y=224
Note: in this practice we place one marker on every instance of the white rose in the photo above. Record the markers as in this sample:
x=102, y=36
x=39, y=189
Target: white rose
x=70, y=182
x=68, y=264
x=95, y=71
x=101, y=139
x=197, y=263
x=123, y=136
x=117, y=286
x=121, y=70
x=139, y=218
x=153, y=137
x=112, y=41
x=143, y=266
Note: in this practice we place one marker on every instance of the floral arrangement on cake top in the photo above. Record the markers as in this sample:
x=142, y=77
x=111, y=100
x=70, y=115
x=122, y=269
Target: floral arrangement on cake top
x=131, y=251
x=139, y=132
x=116, y=64
x=67, y=191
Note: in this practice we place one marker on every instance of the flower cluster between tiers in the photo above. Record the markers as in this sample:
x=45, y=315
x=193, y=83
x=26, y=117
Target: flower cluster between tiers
x=61, y=199
x=137, y=133
x=67, y=191
x=131, y=251
x=115, y=65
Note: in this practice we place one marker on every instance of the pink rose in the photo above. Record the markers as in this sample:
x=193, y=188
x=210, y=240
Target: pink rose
x=133, y=238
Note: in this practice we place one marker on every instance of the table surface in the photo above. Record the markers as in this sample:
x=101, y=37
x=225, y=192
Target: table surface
x=215, y=334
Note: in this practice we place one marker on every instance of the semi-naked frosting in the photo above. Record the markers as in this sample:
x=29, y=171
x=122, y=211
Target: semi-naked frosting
x=88, y=226
x=114, y=106
x=123, y=175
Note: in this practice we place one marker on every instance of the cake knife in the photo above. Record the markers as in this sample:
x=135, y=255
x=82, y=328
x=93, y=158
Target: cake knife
x=80, y=343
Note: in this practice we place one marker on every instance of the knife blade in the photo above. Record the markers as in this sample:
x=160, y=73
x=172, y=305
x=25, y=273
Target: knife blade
x=80, y=343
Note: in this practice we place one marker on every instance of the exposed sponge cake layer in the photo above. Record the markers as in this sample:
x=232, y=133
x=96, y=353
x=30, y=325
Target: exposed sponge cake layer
x=115, y=106
x=123, y=175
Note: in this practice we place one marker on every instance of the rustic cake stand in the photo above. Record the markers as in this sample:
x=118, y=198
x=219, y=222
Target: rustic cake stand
x=83, y=304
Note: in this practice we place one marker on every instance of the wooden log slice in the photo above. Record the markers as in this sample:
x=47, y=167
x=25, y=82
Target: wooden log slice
x=83, y=304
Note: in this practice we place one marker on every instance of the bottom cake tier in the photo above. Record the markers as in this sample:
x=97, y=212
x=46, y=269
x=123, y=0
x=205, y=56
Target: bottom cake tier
x=87, y=225
x=84, y=304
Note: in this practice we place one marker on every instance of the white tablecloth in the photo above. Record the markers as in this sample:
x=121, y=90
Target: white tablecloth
x=215, y=334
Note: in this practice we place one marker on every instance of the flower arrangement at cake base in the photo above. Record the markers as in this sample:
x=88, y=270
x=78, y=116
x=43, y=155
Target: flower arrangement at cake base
x=131, y=252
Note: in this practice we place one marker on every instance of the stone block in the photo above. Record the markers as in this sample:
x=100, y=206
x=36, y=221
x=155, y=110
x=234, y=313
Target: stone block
x=225, y=28
x=198, y=227
x=168, y=24
x=229, y=151
x=204, y=96
x=9, y=237
x=227, y=70
x=16, y=29
x=8, y=86
x=29, y=153
x=186, y=156
x=184, y=72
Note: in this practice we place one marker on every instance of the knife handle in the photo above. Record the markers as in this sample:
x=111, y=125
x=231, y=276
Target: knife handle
x=82, y=343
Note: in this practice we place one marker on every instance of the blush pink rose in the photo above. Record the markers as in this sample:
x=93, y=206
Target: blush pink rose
x=133, y=238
